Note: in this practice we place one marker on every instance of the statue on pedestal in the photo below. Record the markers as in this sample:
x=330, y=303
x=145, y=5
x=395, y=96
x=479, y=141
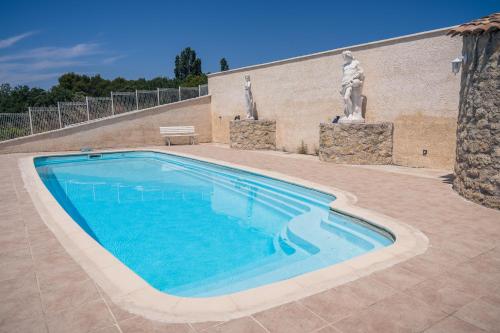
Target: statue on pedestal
x=249, y=98
x=352, y=86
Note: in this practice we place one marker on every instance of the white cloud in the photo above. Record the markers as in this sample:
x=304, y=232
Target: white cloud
x=76, y=51
x=4, y=43
x=23, y=78
x=42, y=63
x=111, y=60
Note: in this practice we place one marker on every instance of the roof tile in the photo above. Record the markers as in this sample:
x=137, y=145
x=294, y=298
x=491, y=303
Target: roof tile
x=488, y=23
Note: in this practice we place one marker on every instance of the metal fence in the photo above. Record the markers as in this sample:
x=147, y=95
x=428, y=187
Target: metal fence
x=65, y=114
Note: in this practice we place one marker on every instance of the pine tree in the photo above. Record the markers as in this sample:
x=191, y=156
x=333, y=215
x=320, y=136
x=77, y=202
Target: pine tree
x=187, y=64
x=224, y=65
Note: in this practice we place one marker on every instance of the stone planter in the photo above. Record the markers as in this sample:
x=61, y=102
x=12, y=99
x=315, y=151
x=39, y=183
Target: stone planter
x=252, y=134
x=356, y=143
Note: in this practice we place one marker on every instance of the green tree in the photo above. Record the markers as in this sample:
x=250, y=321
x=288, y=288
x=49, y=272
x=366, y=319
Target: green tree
x=186, y=63
x=224, y=65
x=74, y=87
x=194, y=80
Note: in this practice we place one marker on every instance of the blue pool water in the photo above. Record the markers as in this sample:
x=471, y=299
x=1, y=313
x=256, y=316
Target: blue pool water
x=195, y=229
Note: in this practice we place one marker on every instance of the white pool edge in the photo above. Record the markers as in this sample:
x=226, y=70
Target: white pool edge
x=132, y=293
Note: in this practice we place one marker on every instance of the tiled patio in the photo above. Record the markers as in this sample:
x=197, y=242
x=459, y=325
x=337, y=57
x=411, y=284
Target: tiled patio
x=453, y=287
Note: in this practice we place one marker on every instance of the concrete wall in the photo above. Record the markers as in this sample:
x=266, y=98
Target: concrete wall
x=133, y=129
x=408, y=82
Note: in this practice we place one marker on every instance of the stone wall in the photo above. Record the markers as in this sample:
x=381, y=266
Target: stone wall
x=253, y=134
x=356, y=143
x=477, y=166
x=409, y=82
x=131, y=129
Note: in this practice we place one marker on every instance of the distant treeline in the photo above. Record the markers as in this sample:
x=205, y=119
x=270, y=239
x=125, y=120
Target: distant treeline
x=74, y=87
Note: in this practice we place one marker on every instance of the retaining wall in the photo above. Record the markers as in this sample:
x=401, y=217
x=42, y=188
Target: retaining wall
x=132, y=129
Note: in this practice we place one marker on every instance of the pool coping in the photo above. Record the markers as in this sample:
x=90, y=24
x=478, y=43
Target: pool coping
x=132, y=293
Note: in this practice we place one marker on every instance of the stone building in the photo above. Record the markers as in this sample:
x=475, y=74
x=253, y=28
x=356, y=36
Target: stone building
x=477, y=166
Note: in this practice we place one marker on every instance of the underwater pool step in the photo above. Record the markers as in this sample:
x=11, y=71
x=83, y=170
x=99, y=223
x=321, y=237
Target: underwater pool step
x=314, y=197
x=265, y=199
x=238, y=278
x=265, y=276
x=262, y=191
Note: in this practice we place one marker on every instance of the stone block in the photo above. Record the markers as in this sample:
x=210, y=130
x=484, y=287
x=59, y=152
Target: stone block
x=252, y=134
x=356, y=143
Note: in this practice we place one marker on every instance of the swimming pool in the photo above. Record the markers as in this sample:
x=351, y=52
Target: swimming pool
x=195, y=229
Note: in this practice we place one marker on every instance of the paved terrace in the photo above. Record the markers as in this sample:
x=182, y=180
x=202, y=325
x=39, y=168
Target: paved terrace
x=453, y=287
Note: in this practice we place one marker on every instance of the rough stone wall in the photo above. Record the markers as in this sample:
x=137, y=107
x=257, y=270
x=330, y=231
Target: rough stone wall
x=356, y=143
x=477, y=166
x=253, y=134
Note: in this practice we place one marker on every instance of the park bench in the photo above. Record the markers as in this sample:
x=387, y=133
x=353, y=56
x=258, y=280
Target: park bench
x=176, y=131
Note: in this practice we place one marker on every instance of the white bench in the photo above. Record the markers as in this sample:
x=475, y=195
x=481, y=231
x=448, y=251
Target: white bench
x=172, y=131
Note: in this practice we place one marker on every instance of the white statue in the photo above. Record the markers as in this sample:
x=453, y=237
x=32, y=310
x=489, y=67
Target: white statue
x=352, y=86
x=249, y=98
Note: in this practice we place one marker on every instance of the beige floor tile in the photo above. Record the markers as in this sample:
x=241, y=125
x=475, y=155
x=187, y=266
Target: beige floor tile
x=8, y=257
x=443, y=257
x=424, y=267
x=16, y=268
x=328, y=329
x=483, y=313
x=201, y=326
x=15, y=240
x=398, y=313
x=19, y=287
x=440, y=294
x=110, y=329
x=52, y=245
x=39, y=239
x=398, y=278
x=119, y=313
x=69, y=296
x=53, y=261
x=289, y=318
x=142, y=325
x=60, y=276
x=335, y=304
x=28, y=325
x=465, y=277
x=18, y=308
x=241, y=325
x=453, y=325
x=86, y=318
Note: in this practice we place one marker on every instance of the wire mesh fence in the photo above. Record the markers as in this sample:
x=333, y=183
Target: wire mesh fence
x=123, y=102
x=147, y=98
x=73, y=113
x=168, y=95
x=203, y=89
x=188, y=92
x=44, y=119
x=99, y=107
x=14, y=125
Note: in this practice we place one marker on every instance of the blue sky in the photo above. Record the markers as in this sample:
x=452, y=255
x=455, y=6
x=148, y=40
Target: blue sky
x=40, y=40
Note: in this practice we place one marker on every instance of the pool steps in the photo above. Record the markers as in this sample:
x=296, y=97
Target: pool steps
x=301, y=233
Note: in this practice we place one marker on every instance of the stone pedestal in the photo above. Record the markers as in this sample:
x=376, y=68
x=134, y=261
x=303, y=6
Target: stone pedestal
x=252, y=134
x=356, y=143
